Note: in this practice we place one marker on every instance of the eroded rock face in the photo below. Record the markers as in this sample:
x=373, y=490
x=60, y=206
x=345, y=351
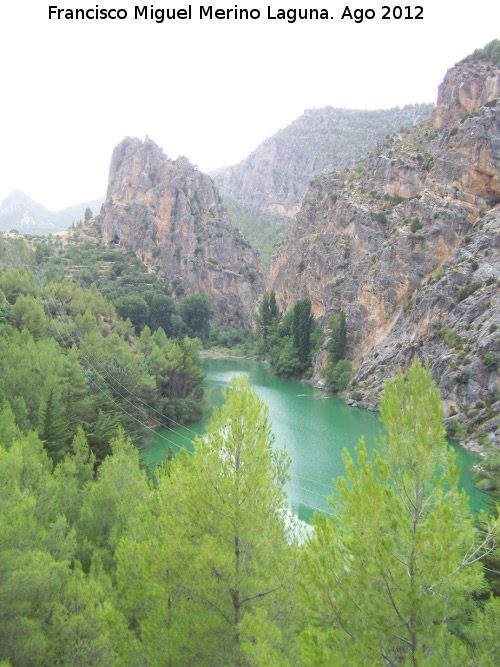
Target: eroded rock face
x=171, y=216
x=466, y=88
x=274, y=178
x=399, y=241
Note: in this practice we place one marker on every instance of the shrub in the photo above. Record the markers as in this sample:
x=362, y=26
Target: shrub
x=380, y=218
x=415, y=225
x=451, y=429
x=339, y=375
x=462, y=377
x=490, y=360
x=481, y=437
x=438, y=275
x=468, y=290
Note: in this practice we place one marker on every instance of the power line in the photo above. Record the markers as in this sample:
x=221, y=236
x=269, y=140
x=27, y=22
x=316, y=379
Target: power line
x=137, y=420
x=116, y=390
x=160, y=435
x=82, y=343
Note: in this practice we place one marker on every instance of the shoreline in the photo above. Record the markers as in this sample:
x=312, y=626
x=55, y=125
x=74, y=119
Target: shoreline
x=472, y=446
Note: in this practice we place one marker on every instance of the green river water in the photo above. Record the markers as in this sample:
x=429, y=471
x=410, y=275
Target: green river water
x=314, y=425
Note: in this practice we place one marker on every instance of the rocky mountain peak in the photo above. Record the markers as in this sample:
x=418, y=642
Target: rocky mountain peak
x=466, y=88
x=171, y=216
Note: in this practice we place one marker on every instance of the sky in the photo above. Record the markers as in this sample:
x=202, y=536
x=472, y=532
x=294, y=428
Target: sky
x=211, y=90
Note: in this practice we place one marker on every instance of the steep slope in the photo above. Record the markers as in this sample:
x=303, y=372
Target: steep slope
x=171, y=216
x=275, y=177
x=407, y=246
x=20, y=212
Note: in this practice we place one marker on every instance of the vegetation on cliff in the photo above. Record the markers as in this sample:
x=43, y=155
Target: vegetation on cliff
x=171, y=217
x=489, y=53
x=406, y=244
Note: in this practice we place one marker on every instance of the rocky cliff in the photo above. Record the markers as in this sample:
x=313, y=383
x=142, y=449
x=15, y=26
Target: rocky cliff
x=171, y=216
x=276, y=176
x=407, y=244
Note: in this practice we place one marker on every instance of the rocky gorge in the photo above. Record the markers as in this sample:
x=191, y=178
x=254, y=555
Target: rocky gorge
x=407, y=244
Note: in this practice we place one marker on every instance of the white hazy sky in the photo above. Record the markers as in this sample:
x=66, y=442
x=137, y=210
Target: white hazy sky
x=210, y=90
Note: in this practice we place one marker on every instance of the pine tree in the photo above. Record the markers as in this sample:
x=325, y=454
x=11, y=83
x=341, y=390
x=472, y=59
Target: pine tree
x=338, y=337
x=209, y=570
x=51, y=425
x=303, y=323
x=390, y=578
x=273, y=307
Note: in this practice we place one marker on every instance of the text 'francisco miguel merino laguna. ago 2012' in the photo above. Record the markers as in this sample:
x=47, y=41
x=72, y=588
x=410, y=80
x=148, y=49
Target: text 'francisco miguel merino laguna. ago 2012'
x=291, y=15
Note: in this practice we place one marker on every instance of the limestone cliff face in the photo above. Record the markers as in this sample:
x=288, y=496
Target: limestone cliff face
x=466, y=88
x=275, y=177
x=407, y=245
x=171, y=216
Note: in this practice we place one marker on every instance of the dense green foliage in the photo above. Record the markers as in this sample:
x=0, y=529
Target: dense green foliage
x=490, y=53
x=231, y=576
x=263, y=231
x=201, y=565
x=391, y=577
x=240, y=342
x=338, y=371
x=288, y=340
x=68, y=360
x=120, y=276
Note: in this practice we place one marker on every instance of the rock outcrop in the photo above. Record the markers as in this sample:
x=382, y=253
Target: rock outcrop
x=171, y=216
x=276, y=176
x=466, y=88
x=407, y=244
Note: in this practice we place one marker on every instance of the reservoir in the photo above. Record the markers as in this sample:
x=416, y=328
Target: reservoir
x=315, y=426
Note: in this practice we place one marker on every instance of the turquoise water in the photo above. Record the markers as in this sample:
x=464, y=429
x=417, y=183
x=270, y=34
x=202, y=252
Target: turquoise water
x=314, y=425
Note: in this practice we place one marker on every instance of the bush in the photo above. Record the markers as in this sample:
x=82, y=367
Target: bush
x=451, y=429
x=490, y=360
x=338, y=375
x=415, y=225
x=468, y=290
x=380, y=217
x=462, y=377
x=438, y=275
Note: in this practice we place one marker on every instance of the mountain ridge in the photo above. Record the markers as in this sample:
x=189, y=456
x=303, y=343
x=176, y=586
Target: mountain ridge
x=18, y=211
